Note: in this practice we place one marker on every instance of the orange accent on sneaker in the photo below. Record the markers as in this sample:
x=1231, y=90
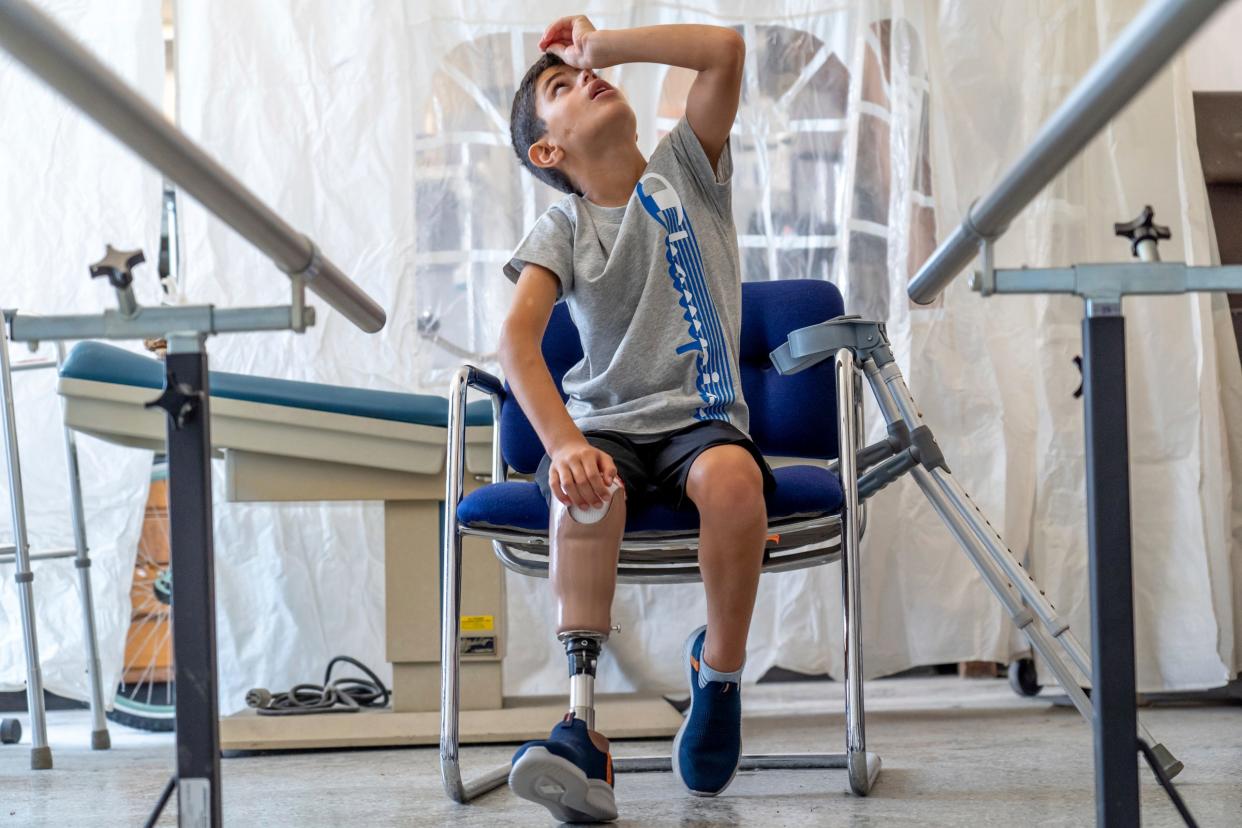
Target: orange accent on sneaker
x=774, y=538
x=694, y=662
x=608, y=770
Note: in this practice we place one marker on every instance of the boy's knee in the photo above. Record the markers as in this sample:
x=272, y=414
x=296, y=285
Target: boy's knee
x=729, y=483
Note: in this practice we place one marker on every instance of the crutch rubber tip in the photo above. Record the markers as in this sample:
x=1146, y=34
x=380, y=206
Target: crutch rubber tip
x=1171, y=764
x=10, y=731
x=100, y=740
x=41, y=758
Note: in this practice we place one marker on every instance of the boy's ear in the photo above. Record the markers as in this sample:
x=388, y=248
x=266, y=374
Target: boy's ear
x=545, y=155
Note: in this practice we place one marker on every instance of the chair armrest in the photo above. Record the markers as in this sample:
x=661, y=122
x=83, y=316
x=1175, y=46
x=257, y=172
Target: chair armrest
x=480, y=380
x=494, y=388
x=469, y=376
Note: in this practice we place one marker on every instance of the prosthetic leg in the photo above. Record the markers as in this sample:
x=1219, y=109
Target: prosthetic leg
x=583, y=571
x=570, y=772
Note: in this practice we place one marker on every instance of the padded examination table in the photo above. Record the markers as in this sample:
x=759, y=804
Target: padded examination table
x=327, y=423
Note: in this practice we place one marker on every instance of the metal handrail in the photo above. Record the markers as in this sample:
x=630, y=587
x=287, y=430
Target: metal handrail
x=51, y=53
x=1143, y=48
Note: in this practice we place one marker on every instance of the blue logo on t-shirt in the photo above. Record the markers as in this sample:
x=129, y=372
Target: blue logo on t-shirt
x=714, y=379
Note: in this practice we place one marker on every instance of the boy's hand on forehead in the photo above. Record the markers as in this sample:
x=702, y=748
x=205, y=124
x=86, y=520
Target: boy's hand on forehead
x=570, y=40
x=716, y=53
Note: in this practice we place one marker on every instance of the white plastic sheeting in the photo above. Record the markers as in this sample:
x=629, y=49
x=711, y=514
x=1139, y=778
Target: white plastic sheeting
x=382, y=131
x=66, y=189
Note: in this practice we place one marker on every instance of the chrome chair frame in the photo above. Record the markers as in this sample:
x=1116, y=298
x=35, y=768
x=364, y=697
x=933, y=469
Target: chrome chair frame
x=660, y=558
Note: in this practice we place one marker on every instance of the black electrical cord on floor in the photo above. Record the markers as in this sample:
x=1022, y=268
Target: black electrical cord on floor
x=1167, y=784
x=344, y=695
x=159, y=806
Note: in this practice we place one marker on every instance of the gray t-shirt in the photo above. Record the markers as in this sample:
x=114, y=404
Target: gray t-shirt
x=655, y=290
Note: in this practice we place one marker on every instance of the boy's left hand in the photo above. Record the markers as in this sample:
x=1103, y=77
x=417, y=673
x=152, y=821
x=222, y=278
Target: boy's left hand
x=571, y=40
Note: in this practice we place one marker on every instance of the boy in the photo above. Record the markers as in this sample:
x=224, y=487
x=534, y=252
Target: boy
x=645, y=253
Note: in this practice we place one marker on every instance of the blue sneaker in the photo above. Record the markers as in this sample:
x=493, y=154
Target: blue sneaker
x=709, y=744
x=568, y=773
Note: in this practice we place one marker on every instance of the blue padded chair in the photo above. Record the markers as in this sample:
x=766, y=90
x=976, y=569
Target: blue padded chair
x=813, y=513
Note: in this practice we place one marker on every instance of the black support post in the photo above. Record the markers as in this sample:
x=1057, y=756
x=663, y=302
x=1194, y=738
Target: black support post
x=1112, y=587
x=185, y=399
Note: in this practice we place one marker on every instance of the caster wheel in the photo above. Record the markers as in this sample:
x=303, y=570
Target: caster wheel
x=10, y=731
x=1022, y=677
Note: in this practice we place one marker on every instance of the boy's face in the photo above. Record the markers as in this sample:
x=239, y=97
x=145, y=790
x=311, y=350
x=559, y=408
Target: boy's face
x=583, y=112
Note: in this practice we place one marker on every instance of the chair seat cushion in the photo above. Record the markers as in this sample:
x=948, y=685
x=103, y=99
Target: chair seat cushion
x=801, y=492
x=99, y=362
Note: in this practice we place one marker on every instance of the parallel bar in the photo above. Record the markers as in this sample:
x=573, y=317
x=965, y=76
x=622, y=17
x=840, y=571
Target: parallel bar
x=1217, y=278
x=155, y=321
x=1124, y=278
x=1154, y=36
x=1036, y=280
x=52, y=54
x=1112, y=586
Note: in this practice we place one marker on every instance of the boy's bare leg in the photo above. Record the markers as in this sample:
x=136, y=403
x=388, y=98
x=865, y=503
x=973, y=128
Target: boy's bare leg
x=727, y=487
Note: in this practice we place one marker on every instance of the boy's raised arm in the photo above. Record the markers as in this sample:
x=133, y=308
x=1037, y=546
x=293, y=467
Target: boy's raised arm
x=716, y=53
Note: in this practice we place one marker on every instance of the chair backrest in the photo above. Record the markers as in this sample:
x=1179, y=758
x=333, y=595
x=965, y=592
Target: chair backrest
x=790, y=416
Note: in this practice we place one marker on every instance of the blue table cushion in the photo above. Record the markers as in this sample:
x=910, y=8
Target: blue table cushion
x=801, y=491
x=100, y=362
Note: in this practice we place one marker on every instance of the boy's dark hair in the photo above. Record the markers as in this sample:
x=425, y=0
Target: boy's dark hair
x=526, y=127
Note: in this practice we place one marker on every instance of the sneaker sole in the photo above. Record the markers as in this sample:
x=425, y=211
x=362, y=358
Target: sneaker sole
x=560, y=786
x=689, y=711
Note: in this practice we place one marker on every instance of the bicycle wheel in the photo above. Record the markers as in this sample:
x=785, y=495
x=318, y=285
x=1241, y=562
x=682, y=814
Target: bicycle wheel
x=146, y=696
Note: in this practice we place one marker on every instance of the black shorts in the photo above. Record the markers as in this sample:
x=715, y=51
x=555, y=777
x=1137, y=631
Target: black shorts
x=655, y=467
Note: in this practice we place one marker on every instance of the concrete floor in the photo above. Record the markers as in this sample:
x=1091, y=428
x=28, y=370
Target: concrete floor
x=955, y=753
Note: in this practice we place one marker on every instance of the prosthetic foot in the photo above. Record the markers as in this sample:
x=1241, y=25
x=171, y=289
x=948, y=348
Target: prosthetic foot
x=570, y=772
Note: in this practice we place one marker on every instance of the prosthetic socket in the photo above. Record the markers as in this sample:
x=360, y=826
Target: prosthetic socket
x=583, y=571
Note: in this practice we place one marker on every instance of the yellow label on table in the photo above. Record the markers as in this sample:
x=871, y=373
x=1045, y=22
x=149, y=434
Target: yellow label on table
x=478, y=623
